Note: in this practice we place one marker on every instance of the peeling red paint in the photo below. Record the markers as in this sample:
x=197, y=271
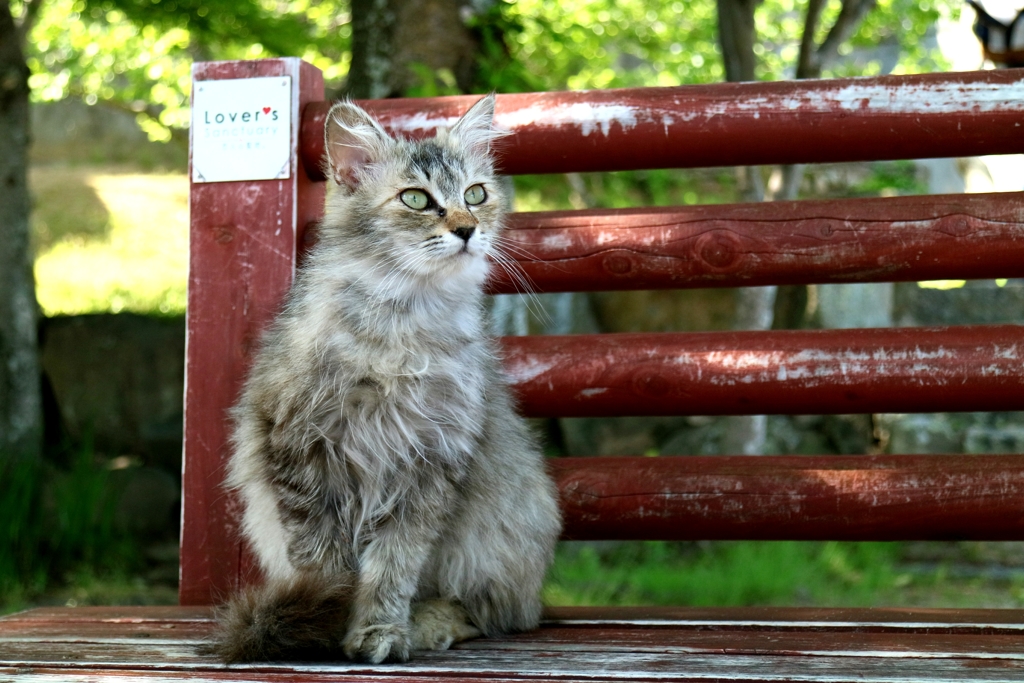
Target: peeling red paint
x=832, y=497
x=860, y=240
x=242, y=258
x=773, y=372
x=728, y=124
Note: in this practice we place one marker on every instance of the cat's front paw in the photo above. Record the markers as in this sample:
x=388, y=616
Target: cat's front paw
x=438, y=624
x=378, y=643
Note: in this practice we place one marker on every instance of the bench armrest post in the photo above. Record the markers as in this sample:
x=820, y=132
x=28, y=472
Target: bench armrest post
x=245, y=238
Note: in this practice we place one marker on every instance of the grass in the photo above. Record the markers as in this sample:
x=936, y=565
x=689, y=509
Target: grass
x=724, y=573
x=745, y=573
x=109, y=240
x=58, y=524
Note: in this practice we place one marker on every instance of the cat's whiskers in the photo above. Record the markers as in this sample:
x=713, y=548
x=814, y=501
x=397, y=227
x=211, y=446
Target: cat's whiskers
x=508, y=249
x=515, y=246
x=522, y=282
x=518, y=277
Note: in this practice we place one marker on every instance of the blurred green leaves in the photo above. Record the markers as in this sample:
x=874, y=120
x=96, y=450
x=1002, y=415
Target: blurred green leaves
x=136, y=54
x=109, y=58
x=578, y=44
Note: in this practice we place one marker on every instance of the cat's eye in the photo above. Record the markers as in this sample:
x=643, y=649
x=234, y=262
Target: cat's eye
x=415, y=199
x=475, y=195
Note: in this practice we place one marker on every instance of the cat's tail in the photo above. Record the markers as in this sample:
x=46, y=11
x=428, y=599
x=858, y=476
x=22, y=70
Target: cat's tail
x=301, y=619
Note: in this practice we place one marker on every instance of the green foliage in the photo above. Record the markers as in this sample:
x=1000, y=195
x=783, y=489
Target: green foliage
x=213, y=23
x=894, y=30
x=655, y=187
x=581, y=44
x=55, y=521
x=891, y=178
x=432, y=83
x=137, y=54
x=497, y=29
x=906, y=25
x=725, y=573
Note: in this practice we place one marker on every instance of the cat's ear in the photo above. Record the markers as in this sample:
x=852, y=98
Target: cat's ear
x=353, y=140
x=475, y=130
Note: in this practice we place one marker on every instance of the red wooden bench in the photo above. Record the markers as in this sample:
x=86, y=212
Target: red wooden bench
x=248, y=236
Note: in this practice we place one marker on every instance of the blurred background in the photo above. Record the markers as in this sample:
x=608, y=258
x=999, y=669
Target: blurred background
x=94, y=246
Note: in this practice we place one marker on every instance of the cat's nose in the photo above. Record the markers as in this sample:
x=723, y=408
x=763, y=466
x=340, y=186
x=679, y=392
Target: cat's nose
x=464, y=233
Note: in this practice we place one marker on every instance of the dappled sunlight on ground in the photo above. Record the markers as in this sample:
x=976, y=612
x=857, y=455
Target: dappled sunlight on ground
x=110, y=241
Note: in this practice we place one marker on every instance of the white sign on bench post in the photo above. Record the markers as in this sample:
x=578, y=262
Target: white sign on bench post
x=241, y=129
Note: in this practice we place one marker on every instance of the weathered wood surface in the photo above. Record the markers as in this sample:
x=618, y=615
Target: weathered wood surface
x=775, y=243
x=788, y=372
x=833, y=497
x=880, y=619
x=243, y=245
x=574, y=644
x=728, y=124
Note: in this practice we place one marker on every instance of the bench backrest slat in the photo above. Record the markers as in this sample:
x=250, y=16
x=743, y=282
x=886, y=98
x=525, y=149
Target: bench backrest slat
x=832, y=498
x=775, y=243
x=796, y=372
x=730, y=124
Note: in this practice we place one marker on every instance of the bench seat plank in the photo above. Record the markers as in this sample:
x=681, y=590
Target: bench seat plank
x=917, y=619
x=574, y=644
x=883, y=239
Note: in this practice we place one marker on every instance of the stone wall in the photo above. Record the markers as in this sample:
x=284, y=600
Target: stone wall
x=117, y=381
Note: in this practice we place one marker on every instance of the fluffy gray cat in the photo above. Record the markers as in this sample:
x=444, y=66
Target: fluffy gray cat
x=395, y=500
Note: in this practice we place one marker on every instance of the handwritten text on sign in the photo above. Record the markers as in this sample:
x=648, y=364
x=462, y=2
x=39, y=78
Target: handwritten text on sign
x=242, y=129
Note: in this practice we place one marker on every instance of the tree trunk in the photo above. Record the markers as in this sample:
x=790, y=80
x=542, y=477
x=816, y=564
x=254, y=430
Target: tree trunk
x=373, y=30
x=432, y=34
x=21, y=424
x=396, y=42
x=813, y=58
x=736, y=34
x=755, y=310
x=745, y=434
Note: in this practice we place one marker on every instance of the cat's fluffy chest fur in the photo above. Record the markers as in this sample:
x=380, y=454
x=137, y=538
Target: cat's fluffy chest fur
x=416, y=356
x=392, y=496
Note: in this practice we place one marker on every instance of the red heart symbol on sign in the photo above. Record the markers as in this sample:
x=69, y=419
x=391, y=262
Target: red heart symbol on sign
x=266, y=110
